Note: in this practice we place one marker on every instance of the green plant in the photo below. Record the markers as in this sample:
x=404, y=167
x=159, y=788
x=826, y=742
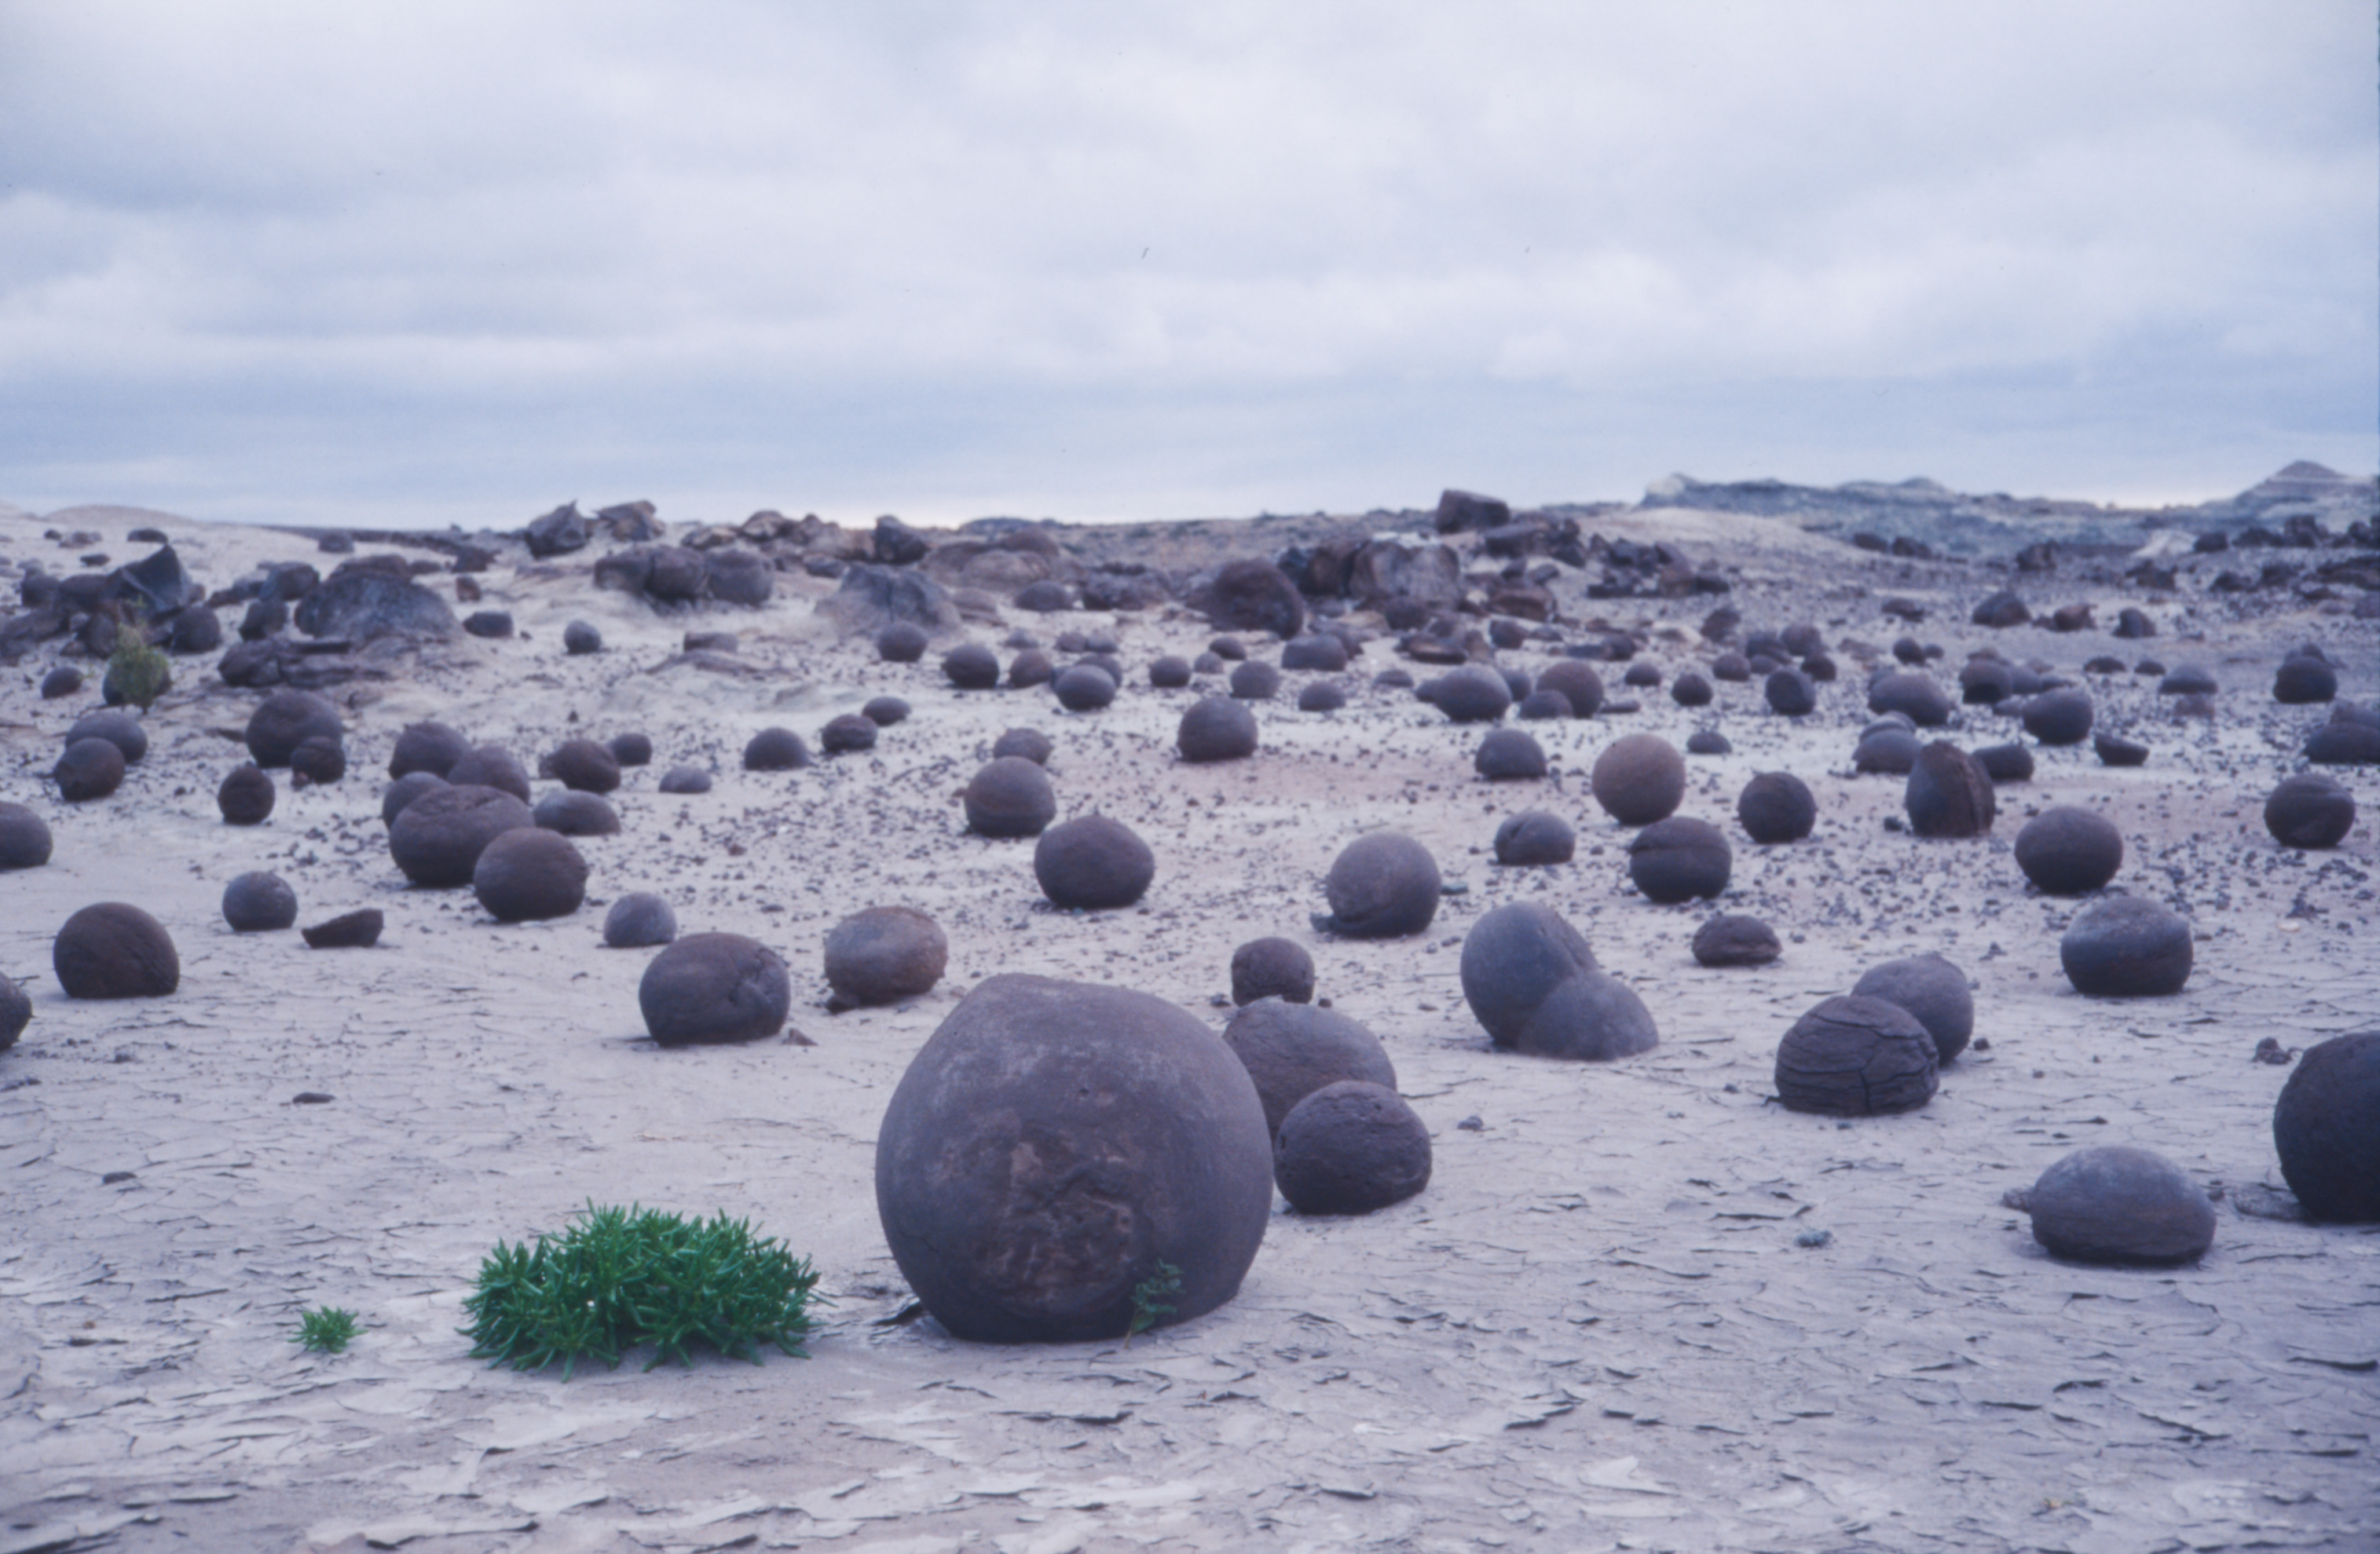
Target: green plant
x=137, y=671
x=1148, y=1300
x=326, y=1330
x=621, y=1277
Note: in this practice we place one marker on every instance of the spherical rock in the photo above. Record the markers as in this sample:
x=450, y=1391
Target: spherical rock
x=404, y=791
x=572, y=813
x=1791, y=693
x=2304, y=679
x=259, y=903
x=1350, y=1148
x=1051, y=1145
x=2059, y=717
x=1384, y=885
x=639, y=919
x=1509, y=754
x=2114, y=749
x=318, y=760
x=1857, y=1057
x=285, y=718
x=2006, y=763
x=884, y=954
x=585, y=767
x=685, y=780
x=1026, y=743
x=120, y=729
x=114, y=950
x=1322, y=695
x=1230, y=647
x=1986, y=682
x=2001, y=609
x=1731, y=666
x=1949, y=794
x=490, y=766
x=1093, y=864
x=1473, y=693
x=2327, y=1129
x=1322, y=653
x=90, y=769
x=246, y=795
x=1776, y=806
x=2114, y=1204
x=1639, y=779
x=1030, y=668
x=61, y=682
x=16, y=1013
x=436, y=840
x=2125, y=947
x=1892, y=751
x=1293, y=1049
x=1691, y=689
x=2310, y=810
x=1169, y=673
x=1534, y=837
x=25, y=841
x=1217, y=728
x=1009, y=796
x=428, y=746
x=1084, y=687
x=713, y=987
x=971, y=667
x=1933, y=989
x=902, y=642
x=1256, y=681
x=1731, y=939
x=2188, y=679
x=2343, y=741
x=1911, y=694
x=528, y=873
x=2067, y=851
x=775, y=749
x=1532, y=982
x=1251, y=594
x=579, y=636
x=1679, y=858
x=847, y=733
x=1708, y=741
x=1272, y=968
x=1541, y=705
x=1577, y=682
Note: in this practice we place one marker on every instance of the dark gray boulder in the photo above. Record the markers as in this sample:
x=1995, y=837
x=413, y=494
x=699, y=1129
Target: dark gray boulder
x=884, y=954
x=584, y=766
x=436, y=840
x=1272, y=967
x=363, y=606
x=1249, y=594
x=1509, y=755
x=1473, y=694
x=775, y=749
x=2067, y=851
x=528, y=874
x=1934, y=991
x=637, y=920
x=286, y=719
x=89, y=769
x=684, y=780
x=1679, y=858
x=434, y=747
x=1534, y=838
x=574, y=813
x=736, y=576
x=25, y=841
x=2327, y=1129
x=359, y=930
x=16, y=1013
x=1009, y=796
x=1912, y=694
x=557, y=533
x=1791, y=693
x=120, y=729
x=1639, y=779
x=1217, y=728
x=1949, y=794
x=246, y=795
x=1857, y=1057
x=971, y=666
x=1776, y=806
x=1092, y=862
x=1731, y=939
x=1293, y=1049
x=1025, y=744
x=490, y=766
x=2059, y=717
x=1351, y=1147
x=1384, y=885
x=1083, y=687
x=404, y=791
x=2114, y=1204
x=2125, y=947
x=2304, y=679
x=2006, y=763
x=581, y=638
x=259, y=903
x=710, y=988
x=847, y=733
x=115, y=950
x=1533, y=983
x=1577, y=682
x=2310, y=810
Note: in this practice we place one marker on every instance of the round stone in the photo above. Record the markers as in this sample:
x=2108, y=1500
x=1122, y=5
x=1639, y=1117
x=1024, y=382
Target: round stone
x=971, y=666
x=1911, y=694
x=685, y=780
x=1351, y=1147
x=1691, y=689
x=1509, y=754
x=1949, y=794
x=1169, y=673
x=404, y=791
x=528, y=873
x=1731, y=666
x=1791, y=693
x=429, y=746
x=1578, y=683
x=1857, y=1057
x=286, y=719
x=490, y=766
x=1534, y=837
x=61, y=682
x=25, y=841
x=1009, y=796
x=2068, y=851
x=437, y=839
x=571, y=813
x=1474, y=694
x=1679, y=858
x=1084, y=687
x=1293, y=1049
x=1708, y=741
x=1217, y=728
x=1776, y=806
x=246, y=795
x=1533, y=983
x=579, y=636
x=1933, y=989
x=1384, y=885
x=2114, y=1204
x=1026, y=743
x=259, y=903
x=1542, y=705
x=1045, y=596
x=2327, y=1129
x=1056, y=1149
x=1092, y=864
x=317, y=761
x=713, y=987
x=584, y=766
x=1230, y=647
x=775, y=749
x=847, y=733
x=1639, y=779
x=2304, y=679
x=1030, y=668
x=114, y=950
x=640, y=919
x=2125, y=947
x=1733, y=940
x=1322, y=695
x=2114, y=749
x=902, y=642
x=2061, y=717
x=120, y=729
x=1323, y=654
x=2344, y=743
x=884, y=954
x=89, y=769
x=2310, y=810
x=2006, y=763
x=1888, y=751
x=1986, y=682
x=1272, y=968
x=16, y=1013
x=885, y=711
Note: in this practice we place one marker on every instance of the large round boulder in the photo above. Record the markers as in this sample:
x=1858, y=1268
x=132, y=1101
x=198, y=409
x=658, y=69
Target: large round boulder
x=1250, y=594
x=971, y=666
x=1639, y=779
x=1009, y=796
x=1255, y=681
x=2116, y=1204
x=1791, y=692
x=902, y=642
x=2302, y=679
x=1949, y=792
x=114, y=950
x=25, y=841
x=884, y=954
x=1933, y=989
x=2125, y=947
x=1351, y=1147
x=2310, y=810
x=1916, y=694
x=1857, y=1057
x=1092, y=864
x=259, y=903
x=88, y=769
x=2062, y=717
x=2327, y=1128
x=1384, y=885
x=1532, y=982
x=1293, y=1049
x=775, y=749
x=286, y=720
x=713, y=987
x=434, y=747
x=1057, y=1153
x=1025, y=744
x=584, y=766
x=1577, y=682
x=1534, y=837
x=1509, y=755
x=528, y=874
x=438, y=838
x=246, y=795
x=1776, y=806
x=2067, y=851
x=1678, y=859
x=1272, y=968
x=1217, y=728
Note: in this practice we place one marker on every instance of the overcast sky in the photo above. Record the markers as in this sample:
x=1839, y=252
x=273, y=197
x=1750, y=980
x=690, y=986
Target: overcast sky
x=428, y=263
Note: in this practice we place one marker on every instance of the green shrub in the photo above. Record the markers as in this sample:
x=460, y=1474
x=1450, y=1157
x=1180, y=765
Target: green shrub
x=136, y=672
x=621, y=1277
x=325, y=1330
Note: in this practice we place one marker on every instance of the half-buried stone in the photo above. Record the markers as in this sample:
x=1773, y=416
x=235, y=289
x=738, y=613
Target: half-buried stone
x=1892, y=751
x=528, y=874
x=2066, y=851
x=684, y=780
x=25, y=841
x=1384, y=885
x=1679, y=858
x=1776, y=806
x=1509, y=755
x=884, y=954
x=1321, y=653
x=2006, y=763
x=1534, y=837
x=490, y=766
x=284, y=720
x=775, y=749
x=584, y=766
x=1026, y=743
x=902, y=642
x=2114, y=749
x=1217, y=728
x=1473, y=693
x=2327, y=1129
x=885, y=711
x=1541, y=705
x=1532, y=982
x=1949, y=794
x=576, y=814
x=1322, y=695
x=847, y=733
x=246, y=795
x=2062, y=717
x=1791, y=693
x=1734, y=940
x=1708, y=741
x=1030, y=668
x=317, y=761
x=1691, y=689
x=2310, y=810
x=436, y=840
x=1914, y=694
x=1169, y=673
x=1256, y=681
x=631, y=748
x=89, y=769
x=120, y=729
x=971, y=666
x=1639, y=779
x=359, y=930
x=1009, y=796
x=2302, y=679
x=1271, y=967
x=1857, y=1057
x=2125, y=947
x=1084, y=687
x=1934, y=991
x=1052, y=1144
x=1577, y=682
x=434, y=747
x=1092, y=864
x=1293, y=1049
x=637, y=920
x=714, y=987
x=2114, y=1204
x=115, y=950
x=1351, y=1147
x=259, y=903
x=404, y=791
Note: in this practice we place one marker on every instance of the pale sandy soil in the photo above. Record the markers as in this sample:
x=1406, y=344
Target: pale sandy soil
x=1594, y=1329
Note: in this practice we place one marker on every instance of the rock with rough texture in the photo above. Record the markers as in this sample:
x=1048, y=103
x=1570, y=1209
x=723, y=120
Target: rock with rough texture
x=2114, y=749
x=572, y=813
x=1857, y=1057
x=1776, y=806
x=366, y=605
x=2006, y=763
x=1577, y=682
x=259, y=903
x=316, y=761
x=1256, y=681
x=640, y=919
x=1322, y=653
x=2116, y=1204
x=1293, y=1049
x=1084, y=687
x=120, y=729
x=2327, y=1129
x=2304, y=679
x=89, y=769
x=902, y=642
x=847, y=733
x=1532, y=982
x=2066, y=851
x=1092, y=862
x=434, y=747
x=1791, y=692
x=1639, y=779
x=490, y=766
x=775, y=749
x=1169, y=673
x=25, y=841
x=1051, y=1145
x=359, y=930
x=246, y=795
x=1509, y=755
x=1534, y=837
x=2061, y=717
x=1731, y=939
x=1912, y=694
x=1473, y=693
x=2344, y=743
x=2125, y=947
x=1892, y=751
x=885, y=711
x=884, y=954
x=528, y=874
x=971, y=666
x=2310, y=810
x=1949, y=794
x=1217, y=728
x=1384, y=885
x=404, y=791
x=1272, y=968
x=584, y=766
x=1251, y=595
x=1009, y=796
x=436, y=840
x=114, y=950
x=1680, y=858
x=1351, y=1147
x=1933, y=989
x=710, y=988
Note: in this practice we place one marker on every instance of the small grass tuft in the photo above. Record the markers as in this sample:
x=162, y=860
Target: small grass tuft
x=1148, y=1300
x=326, y=1330
x=621, y=1277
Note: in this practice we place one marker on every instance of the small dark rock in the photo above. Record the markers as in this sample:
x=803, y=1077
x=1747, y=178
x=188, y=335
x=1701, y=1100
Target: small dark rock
x=246, y=796
x=259, y=903
x=1009, y=796
x=1272, y=968
x=351, y=931
x=1776, y=806
x=1733, y=940
x=637, y=920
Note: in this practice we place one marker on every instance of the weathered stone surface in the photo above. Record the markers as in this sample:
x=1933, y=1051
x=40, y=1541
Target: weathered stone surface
x=1351, y=1147
x=2327, y=1129
x=1534, y=837
x=1217, y=728
x=1731, y=939
x=428, y=746
x=2114, y=1204
x=884, y=954
x=437, y=839
x=1856, y=1057
x=574, y=813
x=1639, y=779
x=1272, y=967
x=1776, y=806
x=89, y=769
x=1009, y=796
x=363, y=606
x=2067, y=851
x=359, y=930
x=2125, y=947
x=1509, y=755
x=775, y=749
x=1250, y=594
x=2059, y=717
x=1384, y=885
x=639, y=919
x=1933, y=989
x=1679, y=858
x=259, y=902
x=2310, y=810
x=527, y=874
x=1949, y=794
x=710, y=988
x=24, y=840
x=1092, y=862
x=1293, y=1049
x=115, y=950
x=246, y=796
x=286, y=719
